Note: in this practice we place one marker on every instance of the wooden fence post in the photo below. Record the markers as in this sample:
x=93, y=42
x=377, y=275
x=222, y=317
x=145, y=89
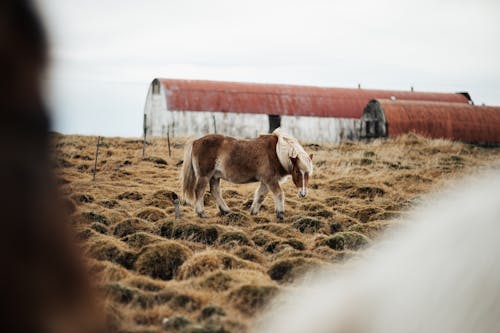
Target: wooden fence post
x=168, y=141
x=144, y=134
x=177, y=205
x=96, y=155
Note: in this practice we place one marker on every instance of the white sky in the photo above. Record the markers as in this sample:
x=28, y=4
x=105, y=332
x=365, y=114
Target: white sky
x=105, y=53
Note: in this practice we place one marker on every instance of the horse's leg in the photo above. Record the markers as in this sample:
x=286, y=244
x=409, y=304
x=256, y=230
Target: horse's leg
x=279, y=199
x=258, y=198
x=201, y=184
x=217, y=195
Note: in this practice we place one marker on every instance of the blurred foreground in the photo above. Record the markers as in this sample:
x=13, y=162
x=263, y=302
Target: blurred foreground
x=439, y=272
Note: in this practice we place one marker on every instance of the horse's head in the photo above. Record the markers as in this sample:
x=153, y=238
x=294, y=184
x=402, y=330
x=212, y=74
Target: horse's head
x=300, y=175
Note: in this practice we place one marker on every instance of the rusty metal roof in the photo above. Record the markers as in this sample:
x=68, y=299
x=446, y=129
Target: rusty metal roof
x=280, y=99
x=453, y=121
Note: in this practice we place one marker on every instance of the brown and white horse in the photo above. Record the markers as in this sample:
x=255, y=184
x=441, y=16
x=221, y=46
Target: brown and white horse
x=267, y=159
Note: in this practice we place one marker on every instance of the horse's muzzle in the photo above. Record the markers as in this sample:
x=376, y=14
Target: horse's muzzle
x=302, y=194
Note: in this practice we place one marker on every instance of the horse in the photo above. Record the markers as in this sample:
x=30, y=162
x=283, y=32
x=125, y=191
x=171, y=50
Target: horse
x=267, y=159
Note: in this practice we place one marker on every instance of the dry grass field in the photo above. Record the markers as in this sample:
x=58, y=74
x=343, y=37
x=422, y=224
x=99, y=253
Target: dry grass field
x=217, y=274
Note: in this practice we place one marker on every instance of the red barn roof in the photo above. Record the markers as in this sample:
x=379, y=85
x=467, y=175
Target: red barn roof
x=280, y=99
x=454, y=121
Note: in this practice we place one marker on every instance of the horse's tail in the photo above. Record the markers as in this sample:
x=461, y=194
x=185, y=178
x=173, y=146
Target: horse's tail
x=188, y=177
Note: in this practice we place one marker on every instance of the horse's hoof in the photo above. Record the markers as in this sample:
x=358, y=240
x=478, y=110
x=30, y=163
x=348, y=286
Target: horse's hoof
x=253, y=212
x=202, y=215
x=280, y=215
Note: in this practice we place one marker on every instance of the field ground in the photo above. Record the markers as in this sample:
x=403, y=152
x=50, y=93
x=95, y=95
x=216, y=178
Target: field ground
x=217, y=274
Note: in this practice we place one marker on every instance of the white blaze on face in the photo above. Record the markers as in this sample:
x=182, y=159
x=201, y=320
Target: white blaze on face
x=303, y=190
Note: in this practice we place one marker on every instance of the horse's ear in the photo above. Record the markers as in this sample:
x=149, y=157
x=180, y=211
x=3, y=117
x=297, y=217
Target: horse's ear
x=311, y=156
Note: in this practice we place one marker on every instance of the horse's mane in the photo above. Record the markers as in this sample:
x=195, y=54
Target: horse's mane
x=287, y=147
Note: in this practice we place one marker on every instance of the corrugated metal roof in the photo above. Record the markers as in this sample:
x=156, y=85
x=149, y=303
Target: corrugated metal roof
x=198, y=95
x=454, y=121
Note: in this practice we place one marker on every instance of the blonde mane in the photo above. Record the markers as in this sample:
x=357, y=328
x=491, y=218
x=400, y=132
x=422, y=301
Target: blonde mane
x=287, y=147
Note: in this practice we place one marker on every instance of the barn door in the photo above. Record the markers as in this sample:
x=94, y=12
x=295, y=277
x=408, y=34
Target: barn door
x=373, y=121
x=274, y=122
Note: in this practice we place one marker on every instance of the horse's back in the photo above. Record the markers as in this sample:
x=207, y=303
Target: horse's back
x=253, y=149
x=211, y=145
x=208, y=143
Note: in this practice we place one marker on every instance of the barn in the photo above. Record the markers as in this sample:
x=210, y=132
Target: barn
x=317, y=114
x=455, y=121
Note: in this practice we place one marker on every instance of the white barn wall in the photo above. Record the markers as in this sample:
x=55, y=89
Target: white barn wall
x=156, y=115
x=321, y=129
x=244, y=125
x=159, y=120
x=197, y=123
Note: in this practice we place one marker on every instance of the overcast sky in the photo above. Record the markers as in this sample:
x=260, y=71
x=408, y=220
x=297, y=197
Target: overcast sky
x=106, y=52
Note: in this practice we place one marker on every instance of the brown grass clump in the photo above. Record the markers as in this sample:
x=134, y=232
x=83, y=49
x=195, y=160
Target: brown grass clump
x=90, y=217
x=116, y=320
x=82, y=198
x=151, y=214
x=262, y=237
x=211, y=311
x=109, y=203
x=130, y=195
x=111, y=249
x=138, y=240
x=335, y=201
x=144, y=283
x=209, y=261
x=279, y=230
x=284, y=244
x=176, y=323
x=366, y=192
x=237, y=219
x=290, y=269
x=160, y=199
x=249, y=253
x=249, y=299
x=217, y=274
x=106, y=271
x=367, y=213
x=235, y=237
x=162, y=260
x=308, y=225
x=350, y=240
x=100, y=228
x=130, y=226
x=187, y=301
x=335, y=227
x=189, y=231
x=121, y=293
x=221, y=281
x=217, y=281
